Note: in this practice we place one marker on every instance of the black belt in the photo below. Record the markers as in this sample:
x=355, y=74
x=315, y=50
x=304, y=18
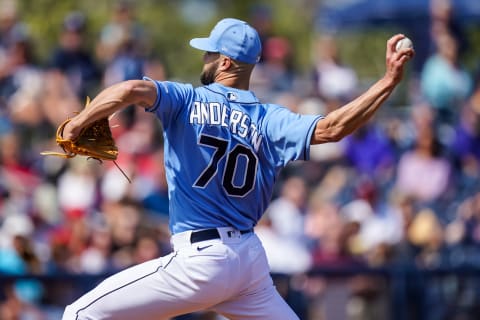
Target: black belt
x=209, y=234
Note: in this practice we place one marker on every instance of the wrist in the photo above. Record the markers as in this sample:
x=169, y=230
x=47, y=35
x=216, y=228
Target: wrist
x=388, y=82
x=75, y=126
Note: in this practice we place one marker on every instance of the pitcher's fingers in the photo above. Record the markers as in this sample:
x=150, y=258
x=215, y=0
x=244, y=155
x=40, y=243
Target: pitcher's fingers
x=409, y=52
x=404, y=59
x=392, y=42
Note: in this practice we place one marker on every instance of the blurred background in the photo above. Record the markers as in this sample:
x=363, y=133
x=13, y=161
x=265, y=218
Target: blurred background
x=382, y=225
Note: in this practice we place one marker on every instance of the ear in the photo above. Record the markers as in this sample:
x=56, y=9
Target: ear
x=225, y=63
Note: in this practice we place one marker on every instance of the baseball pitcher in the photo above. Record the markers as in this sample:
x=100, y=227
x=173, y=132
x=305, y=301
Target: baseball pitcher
x=223, y=152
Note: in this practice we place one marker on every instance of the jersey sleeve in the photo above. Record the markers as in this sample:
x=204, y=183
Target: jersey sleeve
x=289, y=134
x=171, y=99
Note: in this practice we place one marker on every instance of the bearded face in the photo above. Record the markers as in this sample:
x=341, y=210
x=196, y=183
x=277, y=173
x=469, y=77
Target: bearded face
x=209, y=72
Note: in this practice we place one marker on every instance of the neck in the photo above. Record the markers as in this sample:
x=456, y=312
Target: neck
x=236, y=77
x=242, y=84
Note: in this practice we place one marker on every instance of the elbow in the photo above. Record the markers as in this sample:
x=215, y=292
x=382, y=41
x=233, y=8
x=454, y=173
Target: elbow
x=330, y=129
x=123, y=92
x=330, y=134
x=139, y=92
x=336, y=131
x=337, y=134
x=128, y=91
x=133, y=92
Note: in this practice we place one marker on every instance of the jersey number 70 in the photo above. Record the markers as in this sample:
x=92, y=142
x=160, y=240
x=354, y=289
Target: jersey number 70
x=231, y=166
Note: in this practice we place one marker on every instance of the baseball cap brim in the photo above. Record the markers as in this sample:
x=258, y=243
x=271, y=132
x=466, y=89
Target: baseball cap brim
x=204, y=44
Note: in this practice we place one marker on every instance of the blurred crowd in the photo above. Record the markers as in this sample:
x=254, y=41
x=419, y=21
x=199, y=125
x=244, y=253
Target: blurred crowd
x=402, y=191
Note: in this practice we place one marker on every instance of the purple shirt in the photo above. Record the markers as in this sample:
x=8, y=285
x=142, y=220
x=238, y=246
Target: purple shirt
x=369, y=150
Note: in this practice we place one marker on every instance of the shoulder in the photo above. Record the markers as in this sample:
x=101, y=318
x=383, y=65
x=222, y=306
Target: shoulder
x=277, y=111
x=173, y=88
x=177, y=85
x=211, y=91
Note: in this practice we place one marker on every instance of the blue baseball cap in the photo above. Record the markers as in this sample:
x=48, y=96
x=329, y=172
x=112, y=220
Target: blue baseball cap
x=233, y=38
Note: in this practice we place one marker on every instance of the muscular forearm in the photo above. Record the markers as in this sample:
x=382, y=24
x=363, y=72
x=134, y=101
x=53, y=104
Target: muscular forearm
x=343, y=121
x=111, y=100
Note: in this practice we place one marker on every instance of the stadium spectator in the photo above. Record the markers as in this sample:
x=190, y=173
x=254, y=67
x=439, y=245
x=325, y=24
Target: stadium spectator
x=261, y=18
x=424, y=172
x=123, y=23
x=465, y=145
x=122, y=45
x=333, y=80
x=445, y=83
x=379, y=224
x=275, y=74
x=21, y=80
x=72, y=59
x=370, y=152
x=282, y=229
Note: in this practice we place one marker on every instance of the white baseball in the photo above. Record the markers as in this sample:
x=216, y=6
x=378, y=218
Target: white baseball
x=403, y=43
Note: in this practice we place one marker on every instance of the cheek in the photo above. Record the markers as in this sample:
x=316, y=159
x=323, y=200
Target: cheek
x=210, y=67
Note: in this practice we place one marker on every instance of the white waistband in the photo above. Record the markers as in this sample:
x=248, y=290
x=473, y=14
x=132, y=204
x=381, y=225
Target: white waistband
x=227, y=235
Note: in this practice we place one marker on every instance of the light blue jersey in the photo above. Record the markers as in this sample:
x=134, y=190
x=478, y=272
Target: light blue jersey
x=223, y=152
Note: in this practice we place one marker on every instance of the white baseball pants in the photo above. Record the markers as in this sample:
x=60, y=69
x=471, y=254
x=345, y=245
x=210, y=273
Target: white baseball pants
x=229, y=275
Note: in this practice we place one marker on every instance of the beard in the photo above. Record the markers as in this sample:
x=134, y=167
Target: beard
x=208, y=75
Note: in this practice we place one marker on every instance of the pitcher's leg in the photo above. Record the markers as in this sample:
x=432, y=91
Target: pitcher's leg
x=257, y=298
x=141, y=292
x=266, y=304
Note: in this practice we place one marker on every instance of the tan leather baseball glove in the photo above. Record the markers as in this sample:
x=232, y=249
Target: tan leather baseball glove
x=94, y=141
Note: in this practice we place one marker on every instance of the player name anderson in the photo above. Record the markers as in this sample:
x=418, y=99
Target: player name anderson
x=239, y=123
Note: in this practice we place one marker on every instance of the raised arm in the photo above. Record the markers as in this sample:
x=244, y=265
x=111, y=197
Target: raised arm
x=343, y=121
x=117, y=97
